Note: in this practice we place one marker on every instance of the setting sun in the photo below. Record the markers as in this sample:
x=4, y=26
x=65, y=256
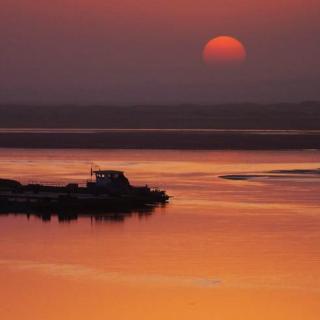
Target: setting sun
x=224, y=50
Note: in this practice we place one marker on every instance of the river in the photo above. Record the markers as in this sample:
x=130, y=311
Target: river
x=221, y=249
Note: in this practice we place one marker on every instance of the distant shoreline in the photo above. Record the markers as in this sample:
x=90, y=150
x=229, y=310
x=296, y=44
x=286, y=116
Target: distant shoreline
x=164, y=139
x=157, y=131
x=275, y=116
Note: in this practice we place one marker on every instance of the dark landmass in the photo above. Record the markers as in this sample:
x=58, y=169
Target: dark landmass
x=302, y=119
x=183, y=140
x=255, y=176
x=242, y=176
x=297, y=171
x=274, y=174
x=301, y=116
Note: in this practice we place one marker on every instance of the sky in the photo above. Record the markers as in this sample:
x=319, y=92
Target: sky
x=150, y=52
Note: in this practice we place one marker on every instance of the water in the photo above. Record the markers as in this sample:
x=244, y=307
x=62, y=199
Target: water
x=221, y=249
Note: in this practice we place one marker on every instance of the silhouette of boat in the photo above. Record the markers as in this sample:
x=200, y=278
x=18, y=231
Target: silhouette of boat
x=110, y=192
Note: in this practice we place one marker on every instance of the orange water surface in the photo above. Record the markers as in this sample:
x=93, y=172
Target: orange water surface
x=221, y=249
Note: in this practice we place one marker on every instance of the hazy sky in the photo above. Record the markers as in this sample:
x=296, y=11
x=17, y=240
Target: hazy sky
x=126, y=51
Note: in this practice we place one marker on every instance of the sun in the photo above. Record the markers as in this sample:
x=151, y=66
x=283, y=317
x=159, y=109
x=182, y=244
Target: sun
x=224, y=51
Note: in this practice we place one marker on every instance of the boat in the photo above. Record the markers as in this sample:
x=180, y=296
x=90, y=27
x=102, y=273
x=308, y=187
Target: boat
x=110, y=191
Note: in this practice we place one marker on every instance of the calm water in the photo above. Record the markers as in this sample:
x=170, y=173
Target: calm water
x=221, y=249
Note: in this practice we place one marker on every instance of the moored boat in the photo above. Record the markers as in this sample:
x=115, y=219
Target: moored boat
x=111, y=190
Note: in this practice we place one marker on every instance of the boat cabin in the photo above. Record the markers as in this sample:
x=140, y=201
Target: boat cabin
x=111, y=179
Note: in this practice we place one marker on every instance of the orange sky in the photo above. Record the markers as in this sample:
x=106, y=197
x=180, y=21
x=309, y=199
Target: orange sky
x=150, y=52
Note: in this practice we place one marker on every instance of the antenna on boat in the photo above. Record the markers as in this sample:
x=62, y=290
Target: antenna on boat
x=93, y=167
